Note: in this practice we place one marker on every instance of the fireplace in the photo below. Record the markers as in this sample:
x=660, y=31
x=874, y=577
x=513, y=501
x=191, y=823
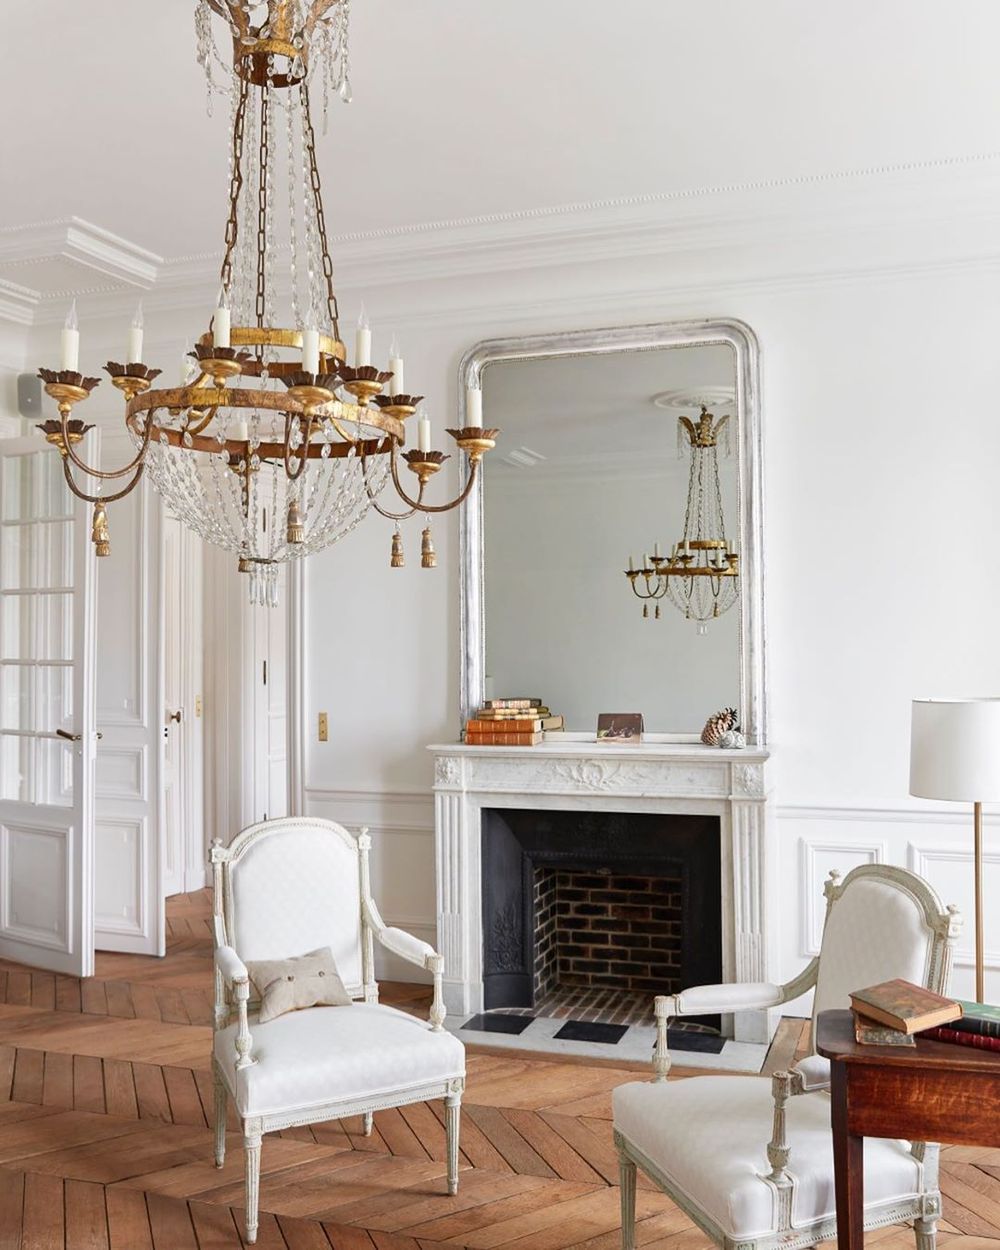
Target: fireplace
x=656, y=778
x=592, y=913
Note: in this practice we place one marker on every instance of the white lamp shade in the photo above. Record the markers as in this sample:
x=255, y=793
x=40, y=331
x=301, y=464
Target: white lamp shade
x=955, y=750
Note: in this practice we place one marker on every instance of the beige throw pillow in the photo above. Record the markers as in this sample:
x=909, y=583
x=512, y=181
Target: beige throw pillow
x=290, y=984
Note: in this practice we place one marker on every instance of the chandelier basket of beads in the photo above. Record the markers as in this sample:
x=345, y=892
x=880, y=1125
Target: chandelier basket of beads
x=268, y=422
x=700, y=576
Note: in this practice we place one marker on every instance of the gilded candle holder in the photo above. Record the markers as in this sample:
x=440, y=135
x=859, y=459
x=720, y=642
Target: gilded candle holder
x=475, y=440
x=364, y=382
x=53, y=431
x=220, y=363
x=312, y=390
x=398, y=406
x=425, y=463
x=131, y=379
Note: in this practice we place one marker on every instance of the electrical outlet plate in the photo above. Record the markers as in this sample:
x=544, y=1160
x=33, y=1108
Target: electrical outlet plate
x=323, y=727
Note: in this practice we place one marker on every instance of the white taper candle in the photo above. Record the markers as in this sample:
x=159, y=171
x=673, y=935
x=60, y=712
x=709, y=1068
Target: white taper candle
x=70, y=343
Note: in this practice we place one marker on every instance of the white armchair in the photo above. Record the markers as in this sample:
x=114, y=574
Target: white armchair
x=282, y=889
x=750, y=1161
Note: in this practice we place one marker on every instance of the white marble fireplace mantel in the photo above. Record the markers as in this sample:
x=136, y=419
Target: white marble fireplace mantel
x=583, y=775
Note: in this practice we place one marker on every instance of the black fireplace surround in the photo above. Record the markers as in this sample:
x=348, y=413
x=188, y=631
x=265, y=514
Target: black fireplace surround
x=516, y=843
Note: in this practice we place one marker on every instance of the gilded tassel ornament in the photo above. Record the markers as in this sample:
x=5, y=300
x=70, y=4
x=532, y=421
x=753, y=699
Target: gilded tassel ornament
x=428, y=556
x=101, y=532
x=296, y=532
x=396, y=559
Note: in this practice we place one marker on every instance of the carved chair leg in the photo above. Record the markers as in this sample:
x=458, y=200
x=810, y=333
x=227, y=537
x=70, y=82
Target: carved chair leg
x=452, y=1119
x=251, y=1155
x=367, y=1123
x=926, y=1231
x=220, y=1119
x=627, y=1182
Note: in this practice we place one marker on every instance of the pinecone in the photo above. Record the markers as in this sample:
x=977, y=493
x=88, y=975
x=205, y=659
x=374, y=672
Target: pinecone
x=718, y=724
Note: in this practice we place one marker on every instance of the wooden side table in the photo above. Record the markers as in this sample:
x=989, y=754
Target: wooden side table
x=929, y=1092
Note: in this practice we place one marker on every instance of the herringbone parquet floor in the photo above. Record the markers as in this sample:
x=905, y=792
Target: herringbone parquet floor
x=104, y=1142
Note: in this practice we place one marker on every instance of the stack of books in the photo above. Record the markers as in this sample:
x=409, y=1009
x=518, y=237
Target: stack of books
x=896, y=1012
x=518, y=722
x=892, y=1013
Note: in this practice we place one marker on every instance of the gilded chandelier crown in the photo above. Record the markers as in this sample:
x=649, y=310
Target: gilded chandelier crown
x=272, y=444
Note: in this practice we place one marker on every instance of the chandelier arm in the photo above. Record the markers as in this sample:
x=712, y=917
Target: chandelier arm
x=104, y=474
x=81, y=494
x=294, y=475
x=208, y=418
x=390, y=516
x=348, y=438
x=427, y=507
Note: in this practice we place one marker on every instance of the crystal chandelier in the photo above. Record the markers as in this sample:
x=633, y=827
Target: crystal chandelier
x=271, y=445
x=700, y=577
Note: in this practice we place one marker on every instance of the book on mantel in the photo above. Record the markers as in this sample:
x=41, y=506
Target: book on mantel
x=515, y=722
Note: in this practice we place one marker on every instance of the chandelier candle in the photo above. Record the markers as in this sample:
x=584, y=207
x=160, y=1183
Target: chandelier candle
x=70, y=342
x=268, y=421
x=134, y=355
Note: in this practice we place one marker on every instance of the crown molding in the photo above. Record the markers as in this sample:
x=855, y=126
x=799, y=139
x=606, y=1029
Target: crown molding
x=896, y=219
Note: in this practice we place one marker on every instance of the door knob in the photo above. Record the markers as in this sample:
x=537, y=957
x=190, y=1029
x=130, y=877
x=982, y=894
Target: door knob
x=177, y=716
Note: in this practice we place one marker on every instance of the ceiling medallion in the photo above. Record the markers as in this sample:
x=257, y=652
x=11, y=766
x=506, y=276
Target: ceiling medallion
x=700, y=577
x=271, y=445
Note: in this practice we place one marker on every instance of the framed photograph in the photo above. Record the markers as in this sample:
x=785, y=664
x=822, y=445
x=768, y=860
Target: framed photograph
x=619, y=727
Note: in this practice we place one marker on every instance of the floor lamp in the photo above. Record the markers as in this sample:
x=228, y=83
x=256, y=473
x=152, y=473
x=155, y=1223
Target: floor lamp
x=955, y=754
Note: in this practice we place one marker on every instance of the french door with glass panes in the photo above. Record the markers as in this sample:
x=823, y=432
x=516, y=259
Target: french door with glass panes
x=47, y=734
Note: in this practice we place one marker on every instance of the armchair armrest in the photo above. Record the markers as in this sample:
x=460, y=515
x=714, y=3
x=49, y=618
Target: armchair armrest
x=229, y=964
x=709, y=999
x=233, y=972
x=406, y=946
x=412, y=949
x=702, y=1000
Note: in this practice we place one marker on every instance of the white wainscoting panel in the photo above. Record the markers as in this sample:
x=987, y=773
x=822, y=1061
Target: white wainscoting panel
x=401, y=825
x=817, y=860
x=935, y=844
x=38, y=859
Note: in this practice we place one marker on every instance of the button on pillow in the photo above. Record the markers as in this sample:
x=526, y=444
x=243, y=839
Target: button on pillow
x=290, y=984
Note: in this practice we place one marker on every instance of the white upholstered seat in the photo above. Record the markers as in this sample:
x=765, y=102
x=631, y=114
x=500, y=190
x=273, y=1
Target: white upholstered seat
x=750, y=1159
x=282, y=889
x=326, y=1054
x=720, y=1158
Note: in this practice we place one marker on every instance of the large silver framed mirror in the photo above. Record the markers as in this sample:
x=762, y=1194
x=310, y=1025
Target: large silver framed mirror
x=636, y=445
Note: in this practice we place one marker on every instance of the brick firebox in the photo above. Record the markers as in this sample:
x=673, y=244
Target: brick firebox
x=627, y=902
x=606, y=929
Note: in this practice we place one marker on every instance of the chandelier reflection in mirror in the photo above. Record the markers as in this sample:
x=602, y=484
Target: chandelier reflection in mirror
x=271, y=445
x=700, y=576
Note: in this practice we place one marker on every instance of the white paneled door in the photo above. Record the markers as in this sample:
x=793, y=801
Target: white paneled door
x=47, y=733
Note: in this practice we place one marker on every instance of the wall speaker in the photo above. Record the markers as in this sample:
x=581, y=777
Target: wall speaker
x=29, y=395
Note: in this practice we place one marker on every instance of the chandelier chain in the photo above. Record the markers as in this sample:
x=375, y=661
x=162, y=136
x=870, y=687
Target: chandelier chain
x=309, y=138
x=235, y=185
x=264, y=151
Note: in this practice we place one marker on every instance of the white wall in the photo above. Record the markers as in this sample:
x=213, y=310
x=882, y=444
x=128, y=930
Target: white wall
x=877, y=306
x=876, y=301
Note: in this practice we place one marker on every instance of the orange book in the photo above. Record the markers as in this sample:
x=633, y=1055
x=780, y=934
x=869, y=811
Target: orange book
x=499, y=738
x=905, y=1006
x=528, y=725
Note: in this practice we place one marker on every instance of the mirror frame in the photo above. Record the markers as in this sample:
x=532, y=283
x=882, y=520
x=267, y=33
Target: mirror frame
x=743, y=342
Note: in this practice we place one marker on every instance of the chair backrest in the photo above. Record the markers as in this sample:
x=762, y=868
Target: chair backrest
x=882, y=922
x=289, y=887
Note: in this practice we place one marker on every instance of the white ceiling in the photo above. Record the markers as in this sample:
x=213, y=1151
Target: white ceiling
x=475, y=108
